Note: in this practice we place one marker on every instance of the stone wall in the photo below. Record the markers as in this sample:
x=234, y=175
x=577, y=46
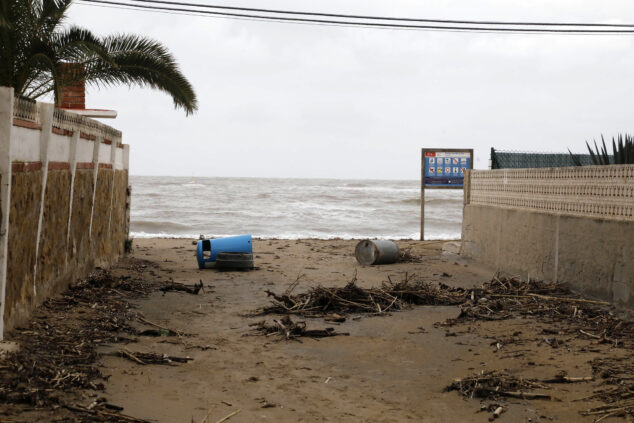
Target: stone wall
x=63, y=196
x=54, y=235
x=118, y=218
x=101, y=215
x=79, y=237
x=26, y=193
x=572, y=225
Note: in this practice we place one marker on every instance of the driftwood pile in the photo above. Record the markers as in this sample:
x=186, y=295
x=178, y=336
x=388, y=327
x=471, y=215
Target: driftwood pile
x=288, y=329
x=57, y=355
x=503, y=298
x=58, y=347
x=323, y=301
x=618, y=394
x=494, y=385
x=555, y=304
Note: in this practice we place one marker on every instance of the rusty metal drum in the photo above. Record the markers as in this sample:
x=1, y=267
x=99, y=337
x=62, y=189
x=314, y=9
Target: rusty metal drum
x=376, y=251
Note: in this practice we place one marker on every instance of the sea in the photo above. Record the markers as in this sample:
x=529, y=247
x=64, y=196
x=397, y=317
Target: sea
x=185, y=207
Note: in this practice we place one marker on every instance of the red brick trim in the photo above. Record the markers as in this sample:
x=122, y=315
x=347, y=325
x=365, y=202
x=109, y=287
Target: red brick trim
x=105, y=141
x=85, y=165
x=17, y=167
x=120, y=145
x=26, y=124
x=87, y=136
x=58, y=166
x=64, y=132
x=105, y=166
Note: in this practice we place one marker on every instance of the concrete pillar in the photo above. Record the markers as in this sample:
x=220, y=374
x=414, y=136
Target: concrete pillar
x=6, y=127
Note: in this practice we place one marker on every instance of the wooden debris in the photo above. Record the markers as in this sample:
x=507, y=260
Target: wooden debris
x=292, y=330
x=58, y=355
x=152, y=358
x=58, y=349
x=323, y=301
x=503, y=298
x=99, y=414
x=405, y=255
x=493, y=385
x=497, y=413
x=562, y=377
x=157, y=332
x=170, y=332
x=228, y=416
x=175, y=287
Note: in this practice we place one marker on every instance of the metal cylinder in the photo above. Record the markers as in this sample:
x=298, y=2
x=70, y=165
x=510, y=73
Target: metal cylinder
x=376, y=252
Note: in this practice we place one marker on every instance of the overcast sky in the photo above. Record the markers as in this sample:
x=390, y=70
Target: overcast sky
x=284, y=100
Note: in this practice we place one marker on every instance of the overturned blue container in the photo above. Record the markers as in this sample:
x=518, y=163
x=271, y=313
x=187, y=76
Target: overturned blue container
x=208, y=249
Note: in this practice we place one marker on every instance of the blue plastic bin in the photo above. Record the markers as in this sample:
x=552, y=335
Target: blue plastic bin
x=232, y=244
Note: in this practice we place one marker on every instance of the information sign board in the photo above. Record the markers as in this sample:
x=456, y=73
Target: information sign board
x=445, y=168
x=442, y=168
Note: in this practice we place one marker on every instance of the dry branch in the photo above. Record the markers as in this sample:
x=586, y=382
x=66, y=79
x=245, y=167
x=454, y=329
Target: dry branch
x=292, y=330
x=493, y=385
x=321, y=301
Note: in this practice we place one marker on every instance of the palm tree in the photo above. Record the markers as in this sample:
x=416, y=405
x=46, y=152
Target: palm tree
x=35, y=50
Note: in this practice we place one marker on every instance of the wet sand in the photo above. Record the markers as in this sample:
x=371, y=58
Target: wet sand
x=390, y=369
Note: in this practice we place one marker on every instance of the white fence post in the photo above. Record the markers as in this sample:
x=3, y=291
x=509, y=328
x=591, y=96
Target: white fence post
x=6, y=126
x=46, y=118
x=72, y=160
x=95, y=161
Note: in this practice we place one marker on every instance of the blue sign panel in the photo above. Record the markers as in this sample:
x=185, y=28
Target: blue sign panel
x=446, y=168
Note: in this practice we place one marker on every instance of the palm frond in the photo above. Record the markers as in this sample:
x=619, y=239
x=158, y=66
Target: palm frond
x=33, y=47
x=143, y=62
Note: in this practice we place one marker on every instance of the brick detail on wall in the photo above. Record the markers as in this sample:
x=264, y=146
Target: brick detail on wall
x=18, y=167
x=26, y=124
x=88, y=137
x=63, y=132
x=58, y=166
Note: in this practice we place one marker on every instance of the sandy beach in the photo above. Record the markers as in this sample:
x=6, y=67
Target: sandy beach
x=391, y=368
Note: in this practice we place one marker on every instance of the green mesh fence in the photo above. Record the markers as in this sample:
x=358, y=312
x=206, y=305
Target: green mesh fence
x=523, y=160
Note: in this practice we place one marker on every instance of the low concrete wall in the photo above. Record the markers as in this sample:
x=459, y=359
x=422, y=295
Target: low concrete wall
x=595, y=256
x=585, y=240
x=63, y=199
